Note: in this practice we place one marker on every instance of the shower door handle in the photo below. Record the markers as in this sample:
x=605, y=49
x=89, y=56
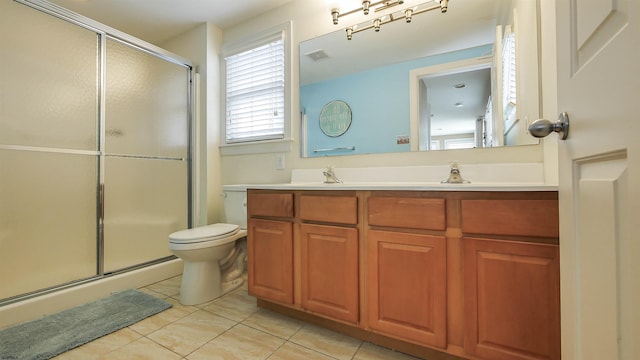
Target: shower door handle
x=101, y=200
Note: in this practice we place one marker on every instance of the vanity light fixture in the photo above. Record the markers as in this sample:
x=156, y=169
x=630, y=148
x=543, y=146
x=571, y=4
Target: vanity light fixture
x=366, y=7
x=407, y=14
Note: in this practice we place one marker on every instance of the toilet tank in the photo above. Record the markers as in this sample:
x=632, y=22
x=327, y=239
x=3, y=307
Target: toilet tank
x=235, y=206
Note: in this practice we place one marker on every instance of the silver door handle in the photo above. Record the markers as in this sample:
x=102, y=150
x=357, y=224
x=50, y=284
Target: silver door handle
x=542, y=127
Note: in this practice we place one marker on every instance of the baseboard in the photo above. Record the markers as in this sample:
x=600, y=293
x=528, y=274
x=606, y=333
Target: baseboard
x=34, y=308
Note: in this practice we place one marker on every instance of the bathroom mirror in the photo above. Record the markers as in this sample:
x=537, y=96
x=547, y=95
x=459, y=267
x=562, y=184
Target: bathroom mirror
x=379, y=76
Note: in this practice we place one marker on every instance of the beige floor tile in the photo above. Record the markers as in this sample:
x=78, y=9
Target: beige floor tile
x=291, y=351
x=142, y=349
x=370, y=351
x=327, y=342
x=169, y=287
x=234, y=306
x=191, y=332
x=101, y=346
x=162, y=319
x=239, y=343
x=273, y=323
x=148, y=291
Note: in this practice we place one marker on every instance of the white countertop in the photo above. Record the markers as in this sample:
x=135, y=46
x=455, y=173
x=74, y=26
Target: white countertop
x=396, y=186
x=482, y=177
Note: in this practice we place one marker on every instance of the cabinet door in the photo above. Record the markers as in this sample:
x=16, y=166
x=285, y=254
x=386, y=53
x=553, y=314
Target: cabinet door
x=270, y=260
x=406, y=286
x=329, y=258
x=512, y=301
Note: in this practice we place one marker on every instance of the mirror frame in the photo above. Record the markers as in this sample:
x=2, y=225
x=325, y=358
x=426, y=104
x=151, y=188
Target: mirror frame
x=528, y=32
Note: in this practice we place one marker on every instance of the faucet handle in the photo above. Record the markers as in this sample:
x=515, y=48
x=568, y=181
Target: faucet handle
x=330, y=175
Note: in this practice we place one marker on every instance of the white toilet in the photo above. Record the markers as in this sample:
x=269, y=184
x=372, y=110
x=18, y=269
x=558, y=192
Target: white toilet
x=213, y=260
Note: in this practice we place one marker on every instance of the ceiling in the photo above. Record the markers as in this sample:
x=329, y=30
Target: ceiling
x=454, y=108
x=156, y=21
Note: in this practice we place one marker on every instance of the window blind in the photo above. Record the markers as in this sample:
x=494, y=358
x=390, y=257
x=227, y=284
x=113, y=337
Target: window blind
x=509, y=71
x=255, y=87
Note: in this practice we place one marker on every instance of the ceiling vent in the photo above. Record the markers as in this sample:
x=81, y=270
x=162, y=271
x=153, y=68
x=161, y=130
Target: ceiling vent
x=317, y=55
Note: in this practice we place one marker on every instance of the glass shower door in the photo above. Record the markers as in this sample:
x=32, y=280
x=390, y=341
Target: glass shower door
x=48, y=151
x=146, y=167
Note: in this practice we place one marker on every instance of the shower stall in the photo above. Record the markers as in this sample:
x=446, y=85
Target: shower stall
x=95, y=169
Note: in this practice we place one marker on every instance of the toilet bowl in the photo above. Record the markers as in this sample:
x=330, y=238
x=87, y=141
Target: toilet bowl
x=214, y=256
x=202, y=250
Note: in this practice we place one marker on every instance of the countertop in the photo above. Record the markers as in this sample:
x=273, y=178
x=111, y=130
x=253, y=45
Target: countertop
x=409, y=186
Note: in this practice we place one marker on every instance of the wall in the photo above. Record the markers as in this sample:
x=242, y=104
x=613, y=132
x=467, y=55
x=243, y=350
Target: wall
x=312, y=19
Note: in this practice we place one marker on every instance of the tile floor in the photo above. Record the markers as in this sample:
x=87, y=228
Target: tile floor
x=230, y=327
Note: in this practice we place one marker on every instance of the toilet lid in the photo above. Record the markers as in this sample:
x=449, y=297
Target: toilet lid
x=204, y=233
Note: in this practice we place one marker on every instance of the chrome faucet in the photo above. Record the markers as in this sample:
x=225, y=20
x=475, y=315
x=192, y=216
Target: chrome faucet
x=454, y=175
x=331, y=176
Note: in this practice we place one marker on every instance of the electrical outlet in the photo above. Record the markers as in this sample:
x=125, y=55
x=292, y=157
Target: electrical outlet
x=280, y=162
x=402, y=139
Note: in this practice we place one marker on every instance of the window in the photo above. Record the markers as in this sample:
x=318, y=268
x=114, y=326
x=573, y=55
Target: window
x=461, y=143
x=256, y=88
x=509, y=75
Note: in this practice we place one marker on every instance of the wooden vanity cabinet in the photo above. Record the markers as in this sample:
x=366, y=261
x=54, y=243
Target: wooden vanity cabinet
x=270, y=246
x=303, y=251
x=437, y=274
x=511, y=278
x=329, y=258
x=406, y=268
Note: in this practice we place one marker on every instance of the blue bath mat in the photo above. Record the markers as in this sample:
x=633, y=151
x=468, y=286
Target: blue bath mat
x=54, y=334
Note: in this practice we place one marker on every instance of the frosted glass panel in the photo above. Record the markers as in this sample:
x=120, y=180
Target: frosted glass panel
x=145, y=201
x=47, y=220
x=48, y=80
x=147, y=104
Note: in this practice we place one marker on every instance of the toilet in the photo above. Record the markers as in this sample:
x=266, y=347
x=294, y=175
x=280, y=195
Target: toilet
x=214, y=260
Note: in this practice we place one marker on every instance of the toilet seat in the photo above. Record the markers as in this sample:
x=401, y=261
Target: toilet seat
x=204, y=233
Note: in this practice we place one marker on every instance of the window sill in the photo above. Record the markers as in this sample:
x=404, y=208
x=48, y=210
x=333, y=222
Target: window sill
x=257, y=147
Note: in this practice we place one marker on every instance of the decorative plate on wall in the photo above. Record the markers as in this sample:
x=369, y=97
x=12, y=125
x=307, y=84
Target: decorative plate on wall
x=335, y=118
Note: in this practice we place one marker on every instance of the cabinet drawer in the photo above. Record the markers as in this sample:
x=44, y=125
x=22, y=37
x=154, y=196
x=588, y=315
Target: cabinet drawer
x=270, y=204
x=333, y=209
x=511, y=217
x=404, y=212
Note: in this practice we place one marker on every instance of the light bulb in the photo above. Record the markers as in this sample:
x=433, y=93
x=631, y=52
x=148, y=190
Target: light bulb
x=444, y=4
x=349, y=33
x=365, y=6
x=408, y=13
x=376, y=24
x=335, y=13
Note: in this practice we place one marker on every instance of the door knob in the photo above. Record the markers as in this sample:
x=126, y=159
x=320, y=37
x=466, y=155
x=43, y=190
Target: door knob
x=542, y=127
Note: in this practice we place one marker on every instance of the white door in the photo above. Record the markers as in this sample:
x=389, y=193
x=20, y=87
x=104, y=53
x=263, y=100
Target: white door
x=599, y=87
